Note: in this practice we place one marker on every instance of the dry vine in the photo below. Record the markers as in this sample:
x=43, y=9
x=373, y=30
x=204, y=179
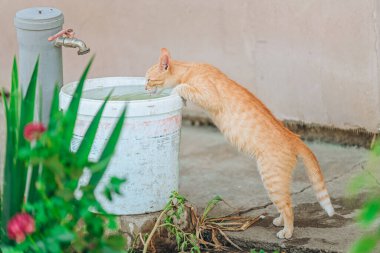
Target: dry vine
x=203, y=232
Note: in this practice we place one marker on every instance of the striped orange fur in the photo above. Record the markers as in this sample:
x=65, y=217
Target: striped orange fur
x=249, y=125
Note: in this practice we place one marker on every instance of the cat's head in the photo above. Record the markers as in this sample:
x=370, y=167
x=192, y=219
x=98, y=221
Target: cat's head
x=160, y=75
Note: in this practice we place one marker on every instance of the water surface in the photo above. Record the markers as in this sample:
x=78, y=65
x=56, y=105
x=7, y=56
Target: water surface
x=123, y=93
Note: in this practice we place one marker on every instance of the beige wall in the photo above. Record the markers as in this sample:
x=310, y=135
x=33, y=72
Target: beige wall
x=314, y=61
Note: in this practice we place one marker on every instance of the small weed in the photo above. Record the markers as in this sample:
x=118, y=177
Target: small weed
x=262, y=251
x=203, y=232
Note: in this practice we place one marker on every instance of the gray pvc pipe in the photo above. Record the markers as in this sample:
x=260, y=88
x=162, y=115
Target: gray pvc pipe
x=34, y=26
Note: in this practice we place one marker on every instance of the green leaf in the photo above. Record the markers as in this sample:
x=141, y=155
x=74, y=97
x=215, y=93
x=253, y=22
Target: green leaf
x=9, y=250
x=52, y=245
x=15, y=170
x=195, y=249
x=27, y=107
x=210, y=205
x=26, y=116
x=28, y=103
x=5, y=104
x=89, y=137
x=366, y=244
x=62, y=234
x=72, y=111
x=370, y=211
x=116, y=183
x=108, y=149
x=116, y=242
x=15, y=96
x=112, y=223
x=113, y=187
x=376, y=147
x=33, y=193
x=54, y=109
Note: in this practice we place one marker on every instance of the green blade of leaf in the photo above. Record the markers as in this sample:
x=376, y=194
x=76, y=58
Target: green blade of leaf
x=210, y=205
x=11, y=203
x=89, y=137
x=15, y=100
x=5, y=192
x=54, y=109
x=5, y=104
x=116, y=242
x=370, y=211
x=40, y=104
x=27, y=116
x=33, y=193
x=72, y=111
x=9, y=155
x=15, y=83
x=366, y=244
x=10, y=250
x=108, y=149
x=28, y=103
x=113, y=187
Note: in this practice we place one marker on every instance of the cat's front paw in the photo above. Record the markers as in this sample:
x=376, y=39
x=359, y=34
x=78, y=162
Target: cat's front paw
x=285, y=234
x=184, y=101
x=176, y=90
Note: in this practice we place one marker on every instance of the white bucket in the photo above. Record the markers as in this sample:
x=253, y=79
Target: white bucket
x=148, y=148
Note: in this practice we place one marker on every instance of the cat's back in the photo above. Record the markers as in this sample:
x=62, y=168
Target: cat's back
x=244, y=116
x=242, y=110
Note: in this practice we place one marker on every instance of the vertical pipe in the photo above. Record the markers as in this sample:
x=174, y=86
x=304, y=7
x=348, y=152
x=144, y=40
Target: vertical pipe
x=34, y=26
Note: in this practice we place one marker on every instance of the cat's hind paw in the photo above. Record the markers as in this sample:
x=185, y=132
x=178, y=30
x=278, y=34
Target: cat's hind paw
x=284, y=234
x=278, y=222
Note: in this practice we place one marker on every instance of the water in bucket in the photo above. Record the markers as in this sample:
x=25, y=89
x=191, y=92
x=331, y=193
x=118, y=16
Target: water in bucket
x=123, y=93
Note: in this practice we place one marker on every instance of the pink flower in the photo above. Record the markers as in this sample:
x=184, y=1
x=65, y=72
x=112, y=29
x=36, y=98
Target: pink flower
x=19, y=226
x=33, y=131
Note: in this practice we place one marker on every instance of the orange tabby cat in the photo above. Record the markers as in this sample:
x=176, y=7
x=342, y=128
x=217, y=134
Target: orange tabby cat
x=248, y=124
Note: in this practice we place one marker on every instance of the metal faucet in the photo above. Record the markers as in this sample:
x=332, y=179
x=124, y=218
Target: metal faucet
x=72, y=42
x=66, y=38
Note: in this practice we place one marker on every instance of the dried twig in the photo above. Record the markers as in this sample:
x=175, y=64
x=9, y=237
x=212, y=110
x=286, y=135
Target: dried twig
x=156, y=225
x=229, y=240
x=217, y=226
x=201, y=225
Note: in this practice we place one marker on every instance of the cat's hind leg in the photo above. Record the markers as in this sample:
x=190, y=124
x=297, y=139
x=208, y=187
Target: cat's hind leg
x=288, y=216
x=276, y=177
x=279, y=221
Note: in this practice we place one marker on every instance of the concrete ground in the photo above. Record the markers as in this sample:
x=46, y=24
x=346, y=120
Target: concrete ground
x=210, y=166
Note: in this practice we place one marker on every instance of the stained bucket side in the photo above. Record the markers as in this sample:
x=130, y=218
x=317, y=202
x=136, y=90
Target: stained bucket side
x=148, y=149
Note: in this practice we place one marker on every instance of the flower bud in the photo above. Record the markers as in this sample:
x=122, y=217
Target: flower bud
x=33, y=131
x=19, y=226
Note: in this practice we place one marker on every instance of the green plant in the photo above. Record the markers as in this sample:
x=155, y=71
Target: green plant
x=201, y=231
x=63, y=220
x=261, y=251
x=369, y=214
x=175, y=209
x=18, y=112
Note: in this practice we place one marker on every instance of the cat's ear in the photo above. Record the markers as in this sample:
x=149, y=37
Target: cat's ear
x=164, y=59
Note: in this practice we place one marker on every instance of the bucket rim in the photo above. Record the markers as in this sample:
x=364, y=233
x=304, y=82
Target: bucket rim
x=71, y=84
x=135, y=108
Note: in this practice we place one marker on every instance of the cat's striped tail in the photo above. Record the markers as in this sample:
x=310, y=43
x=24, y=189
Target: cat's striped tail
x=316, y=177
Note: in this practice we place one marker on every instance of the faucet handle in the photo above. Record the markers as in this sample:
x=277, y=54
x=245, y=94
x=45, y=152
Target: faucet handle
x=67, y=33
